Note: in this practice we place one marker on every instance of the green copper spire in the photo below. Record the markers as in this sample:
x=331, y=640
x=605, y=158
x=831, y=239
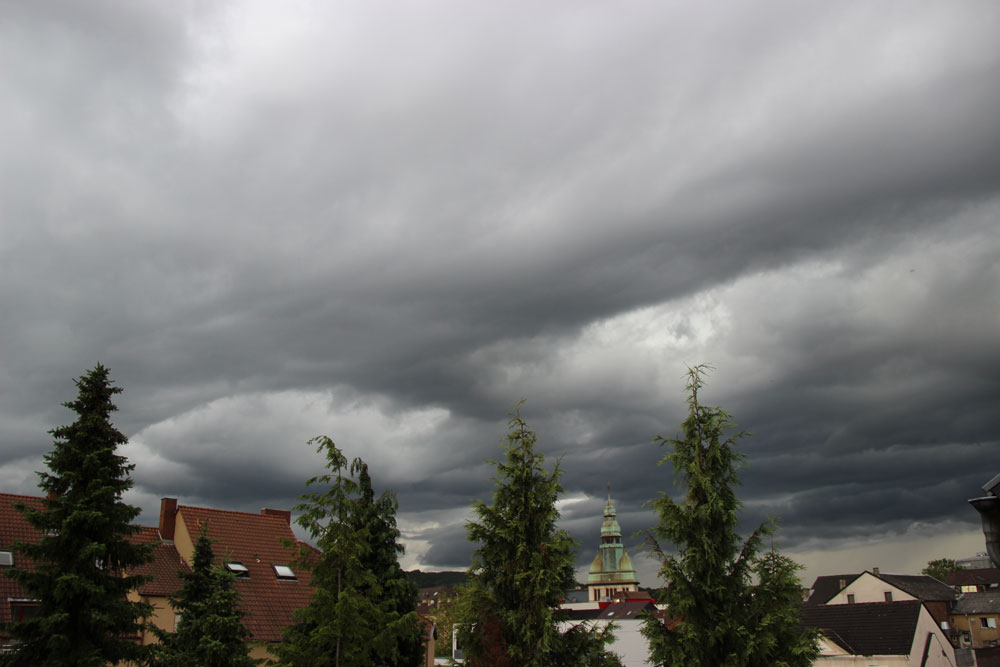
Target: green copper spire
x=612, y=569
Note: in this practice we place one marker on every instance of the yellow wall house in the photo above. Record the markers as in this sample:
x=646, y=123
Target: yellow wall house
x=248, y=545
x=976, y=617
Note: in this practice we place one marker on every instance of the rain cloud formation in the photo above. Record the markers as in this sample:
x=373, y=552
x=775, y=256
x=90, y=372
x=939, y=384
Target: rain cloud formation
x=389, y=222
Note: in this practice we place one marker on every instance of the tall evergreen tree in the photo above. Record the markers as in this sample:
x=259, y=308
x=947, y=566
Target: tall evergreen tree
x=210, y=632
x=81, y=565
x=352, y=619
x=723, y=618
x=375, y=518
x=522, y=567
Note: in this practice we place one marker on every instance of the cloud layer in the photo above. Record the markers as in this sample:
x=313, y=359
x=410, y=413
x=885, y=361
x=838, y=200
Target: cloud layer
x=388, y=225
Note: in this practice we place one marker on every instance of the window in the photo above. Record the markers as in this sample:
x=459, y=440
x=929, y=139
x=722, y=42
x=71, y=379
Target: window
x=285, y=572
x=23, y=610
x=239, y=569
x=6, y=558
x=989, y=622
x=850, y=598
x=888, y=596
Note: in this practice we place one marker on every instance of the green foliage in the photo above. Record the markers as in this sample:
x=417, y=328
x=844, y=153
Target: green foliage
x=211, y=631
x=363, y=608
x=722, y=617
x=375, y=518
x=523, y=564
x=940, y=568
x=82, y=562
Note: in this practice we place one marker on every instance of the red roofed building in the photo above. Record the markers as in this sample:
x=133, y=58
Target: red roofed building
x=252, y=547
x=14, y=603
x=249, y=545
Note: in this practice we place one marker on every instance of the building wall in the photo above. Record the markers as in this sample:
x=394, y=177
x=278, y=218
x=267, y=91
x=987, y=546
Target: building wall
x=868, y=588
x=629, y=645
x=940, y=652
x=183, y=541
x=971, y=626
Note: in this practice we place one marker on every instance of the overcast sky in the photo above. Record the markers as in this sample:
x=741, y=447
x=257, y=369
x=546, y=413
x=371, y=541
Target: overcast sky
x=388, y=222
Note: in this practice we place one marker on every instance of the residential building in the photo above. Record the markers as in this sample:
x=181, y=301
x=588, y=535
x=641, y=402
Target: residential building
x=977, y=580
x=259, y=549
x=888, y=634
x=976, y=619
x=876, y=586
x=626, y=612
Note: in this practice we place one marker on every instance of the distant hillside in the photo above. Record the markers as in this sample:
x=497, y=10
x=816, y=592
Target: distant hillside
x=435, y=579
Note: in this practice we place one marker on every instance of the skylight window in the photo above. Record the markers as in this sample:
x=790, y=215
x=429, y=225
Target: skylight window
x=239, y=569
x=284, y=572
x=6, y=558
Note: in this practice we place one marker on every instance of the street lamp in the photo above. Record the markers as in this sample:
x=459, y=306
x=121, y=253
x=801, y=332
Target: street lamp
x=989, y=509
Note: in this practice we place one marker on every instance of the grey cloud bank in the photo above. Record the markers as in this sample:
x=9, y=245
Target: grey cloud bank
x=389, y=226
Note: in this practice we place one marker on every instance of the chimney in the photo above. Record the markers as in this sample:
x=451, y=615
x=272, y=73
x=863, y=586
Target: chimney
x=168, y=518
x=875, y=571
x=284, y=514
x=842, y=584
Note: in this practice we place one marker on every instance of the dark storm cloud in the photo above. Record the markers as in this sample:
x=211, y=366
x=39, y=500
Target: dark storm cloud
x=390, y=227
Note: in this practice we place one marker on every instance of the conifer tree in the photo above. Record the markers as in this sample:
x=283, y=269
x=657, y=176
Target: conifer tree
x=722, y=617
x=210, y=632
x=522, y=567
x=375, y=518
x=352, y=620
x=82, y=563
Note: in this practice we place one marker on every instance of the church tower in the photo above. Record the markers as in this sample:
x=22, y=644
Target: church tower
x=611, y=571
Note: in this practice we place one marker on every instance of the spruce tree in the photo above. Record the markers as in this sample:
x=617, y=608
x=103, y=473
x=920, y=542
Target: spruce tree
x=402, y=640
x=352, y=619
x=210, y=632
x=732, y=606
x=522, y=568
x=82, y=563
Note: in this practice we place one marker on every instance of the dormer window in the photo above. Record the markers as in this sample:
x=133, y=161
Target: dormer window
x=239, y=569
x=284, y=572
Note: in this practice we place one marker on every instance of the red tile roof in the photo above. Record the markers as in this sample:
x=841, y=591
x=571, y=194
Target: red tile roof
x=14, y=527
x=165, y=568
x=255, y=540
x=251, y=539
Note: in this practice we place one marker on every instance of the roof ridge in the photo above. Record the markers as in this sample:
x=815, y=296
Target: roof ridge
x=254, y=514
x=19, y=495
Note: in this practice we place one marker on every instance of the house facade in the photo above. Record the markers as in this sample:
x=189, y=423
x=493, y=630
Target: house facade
x=888, y=634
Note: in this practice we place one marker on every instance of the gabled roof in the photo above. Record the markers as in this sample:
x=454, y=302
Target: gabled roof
x=983, y=576
x=255, y=540
x=876, y=628
x=987, y=602
x=626, y=611
x=13, y=525
x=827, y=586
x=921, y=586
x=165, y=568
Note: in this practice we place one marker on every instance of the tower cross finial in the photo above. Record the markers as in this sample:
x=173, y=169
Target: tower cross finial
x=609, y=491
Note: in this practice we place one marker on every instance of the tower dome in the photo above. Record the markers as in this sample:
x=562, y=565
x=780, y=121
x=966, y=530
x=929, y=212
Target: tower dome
x=612, y=571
